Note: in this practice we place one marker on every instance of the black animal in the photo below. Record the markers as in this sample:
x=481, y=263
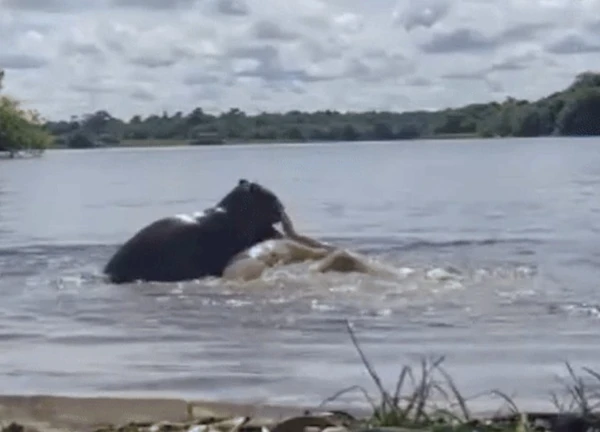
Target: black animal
x=176, y=249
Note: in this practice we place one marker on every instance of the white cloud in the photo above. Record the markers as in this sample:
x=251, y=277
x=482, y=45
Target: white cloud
x=68, y=57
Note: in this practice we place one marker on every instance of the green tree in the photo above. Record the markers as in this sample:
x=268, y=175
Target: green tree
x=382, y=131
x=294, y=133
x=80, y=140
x=20, y=129
x=349, y=133
x=571, y=111
x=527, y=122
x=580, y=115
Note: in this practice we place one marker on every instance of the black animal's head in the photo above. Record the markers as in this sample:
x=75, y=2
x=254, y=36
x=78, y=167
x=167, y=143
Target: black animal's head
x=254, y=204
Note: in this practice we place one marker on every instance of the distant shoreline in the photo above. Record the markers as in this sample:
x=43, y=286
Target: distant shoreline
x=184, y=142
x=156, y=143
x=179, y=143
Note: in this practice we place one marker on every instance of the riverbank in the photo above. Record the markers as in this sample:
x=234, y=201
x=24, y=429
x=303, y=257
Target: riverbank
x=62, y=413
x=421, y=400
x=103, y=414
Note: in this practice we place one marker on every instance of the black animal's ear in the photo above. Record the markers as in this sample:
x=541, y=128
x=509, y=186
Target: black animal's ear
x=243, y=182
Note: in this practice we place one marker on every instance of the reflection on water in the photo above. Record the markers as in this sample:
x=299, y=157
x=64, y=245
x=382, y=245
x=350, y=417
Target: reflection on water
x=492, y=250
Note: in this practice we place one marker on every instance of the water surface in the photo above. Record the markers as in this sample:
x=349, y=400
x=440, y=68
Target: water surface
x=495, y=244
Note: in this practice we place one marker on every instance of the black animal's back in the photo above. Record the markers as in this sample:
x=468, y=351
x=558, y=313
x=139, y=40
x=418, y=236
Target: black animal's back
x=173, y=249
x=170, y=249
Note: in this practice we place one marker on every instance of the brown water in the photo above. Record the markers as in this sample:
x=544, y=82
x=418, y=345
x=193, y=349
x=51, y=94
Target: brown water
x=495, y=246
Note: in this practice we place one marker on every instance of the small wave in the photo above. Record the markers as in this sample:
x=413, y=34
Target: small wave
x=582, y=309
x=320, y=306
x=416, y=245
x=48, y=249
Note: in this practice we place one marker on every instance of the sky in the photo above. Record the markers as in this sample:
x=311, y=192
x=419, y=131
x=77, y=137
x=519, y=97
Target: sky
x=71, y=57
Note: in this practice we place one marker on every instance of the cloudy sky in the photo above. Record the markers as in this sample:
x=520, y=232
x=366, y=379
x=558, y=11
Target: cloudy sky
x=68, y=57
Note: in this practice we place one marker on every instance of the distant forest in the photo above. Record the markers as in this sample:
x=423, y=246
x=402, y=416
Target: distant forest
x=572, y=111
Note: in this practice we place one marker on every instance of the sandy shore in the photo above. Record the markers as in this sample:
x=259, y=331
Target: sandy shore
x=111, y=414
x=65, y=414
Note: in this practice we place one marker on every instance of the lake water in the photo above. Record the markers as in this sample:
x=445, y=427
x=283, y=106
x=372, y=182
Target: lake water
x=496, y=244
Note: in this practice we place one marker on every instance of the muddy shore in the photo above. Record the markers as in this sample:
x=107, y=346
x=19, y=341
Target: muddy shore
x=106, y=414
x=65, y=414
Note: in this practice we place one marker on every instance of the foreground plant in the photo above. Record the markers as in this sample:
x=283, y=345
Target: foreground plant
x=412, y=403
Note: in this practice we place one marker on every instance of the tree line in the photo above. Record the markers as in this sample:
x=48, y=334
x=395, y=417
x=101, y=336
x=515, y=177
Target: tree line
x=572, y=111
